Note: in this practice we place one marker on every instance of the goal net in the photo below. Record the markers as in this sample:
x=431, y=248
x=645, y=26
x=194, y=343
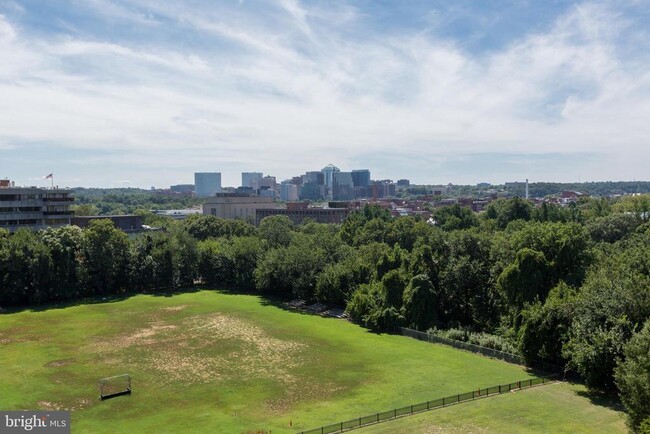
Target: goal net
x=116, y=385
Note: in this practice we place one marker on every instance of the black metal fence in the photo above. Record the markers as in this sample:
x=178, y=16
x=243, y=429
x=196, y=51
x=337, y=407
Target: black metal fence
x=424, y=406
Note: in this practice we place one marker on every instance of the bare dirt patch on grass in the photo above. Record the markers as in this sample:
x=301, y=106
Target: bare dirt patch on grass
x=297, y=393
x=77, y=404
x=154, y=333
x=59, y=363
x=11, y=336
x=174, y=308
x=205, y=348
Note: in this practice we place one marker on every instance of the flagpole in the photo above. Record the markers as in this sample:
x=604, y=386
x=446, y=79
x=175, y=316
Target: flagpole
x=52, y=178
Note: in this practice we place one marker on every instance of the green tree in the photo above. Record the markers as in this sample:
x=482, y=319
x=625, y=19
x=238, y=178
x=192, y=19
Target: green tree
x=25, y=269
x=450, y=218
x=203, y=227
x=612, y=305
x=505, y=211
x=276, y=230
x=215, y=262
x=638, y=205
x=420, y=303
x=526, y=279
x=356, y=231
x=549, y=212
x=142, y=265
x=374, y=231
x=465, y=288
x=339, y=280
x=565, y=246
x=369, y=308
x=185, y=258
x=406, y=231
x=393, y=284
x=292, y=269
x=64, y=245
x=613, y=227
x=104, y=258
x=85, y=210
x=633, y=378
x=545, y=327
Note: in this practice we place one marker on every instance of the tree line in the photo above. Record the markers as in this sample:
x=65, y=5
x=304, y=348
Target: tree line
x=120, y=201
x=567, y=285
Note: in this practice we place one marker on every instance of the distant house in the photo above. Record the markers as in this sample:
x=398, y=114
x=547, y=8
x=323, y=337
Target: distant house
x=572, y=194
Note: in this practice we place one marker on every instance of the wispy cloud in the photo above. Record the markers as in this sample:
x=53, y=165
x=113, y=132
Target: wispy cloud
x=291, y=86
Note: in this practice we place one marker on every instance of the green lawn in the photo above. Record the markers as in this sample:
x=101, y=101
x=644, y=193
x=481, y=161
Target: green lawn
x=214, y=362
x=555, y=408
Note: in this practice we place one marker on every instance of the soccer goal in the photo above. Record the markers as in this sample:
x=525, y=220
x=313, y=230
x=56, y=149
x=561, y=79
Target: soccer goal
x=117, y=385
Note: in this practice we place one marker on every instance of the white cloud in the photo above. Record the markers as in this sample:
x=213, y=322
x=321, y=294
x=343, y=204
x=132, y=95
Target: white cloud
x=112, y=10
x=270, y=97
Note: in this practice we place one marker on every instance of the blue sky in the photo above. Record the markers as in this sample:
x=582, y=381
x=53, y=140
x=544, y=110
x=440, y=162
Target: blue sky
x=141, y=93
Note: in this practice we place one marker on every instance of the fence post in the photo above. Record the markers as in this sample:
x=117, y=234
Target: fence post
x=359, y=421
x=394, y=413
x=473, y=395
x=377, y=417
x=411, y=409
x=458, y=398
x=341, y=426
x=499, y=388
x=322, y=430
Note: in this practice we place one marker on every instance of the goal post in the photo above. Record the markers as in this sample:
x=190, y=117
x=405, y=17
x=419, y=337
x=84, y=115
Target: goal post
x=116, y=385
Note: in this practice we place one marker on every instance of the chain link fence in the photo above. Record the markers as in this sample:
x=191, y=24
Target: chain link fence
x=489, y=352
x=424, y=406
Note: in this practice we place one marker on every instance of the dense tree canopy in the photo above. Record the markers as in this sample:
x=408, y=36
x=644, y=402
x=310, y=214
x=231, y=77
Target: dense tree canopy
x=633, y=378
x=566, y=285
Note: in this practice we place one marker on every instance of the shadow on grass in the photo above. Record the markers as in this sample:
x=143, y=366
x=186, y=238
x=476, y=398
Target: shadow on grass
x=281, y=303
x=98, y=299
x=602, y=400
x=536, y=371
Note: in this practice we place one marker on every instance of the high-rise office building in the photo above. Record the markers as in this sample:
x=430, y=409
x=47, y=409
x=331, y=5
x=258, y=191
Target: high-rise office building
x=288, y=191
x=383, y=188
x=207, y=183
x=328, y=177
x=361, y=177
x=342, y=186
x=248, y=178
x=314, y=177
x=312, y=191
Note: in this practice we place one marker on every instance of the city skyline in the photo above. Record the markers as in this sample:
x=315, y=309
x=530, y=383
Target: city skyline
x=112, y=93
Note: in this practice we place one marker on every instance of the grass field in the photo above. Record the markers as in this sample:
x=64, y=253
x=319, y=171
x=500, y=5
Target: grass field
x=214, y=362
x=555, y=408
